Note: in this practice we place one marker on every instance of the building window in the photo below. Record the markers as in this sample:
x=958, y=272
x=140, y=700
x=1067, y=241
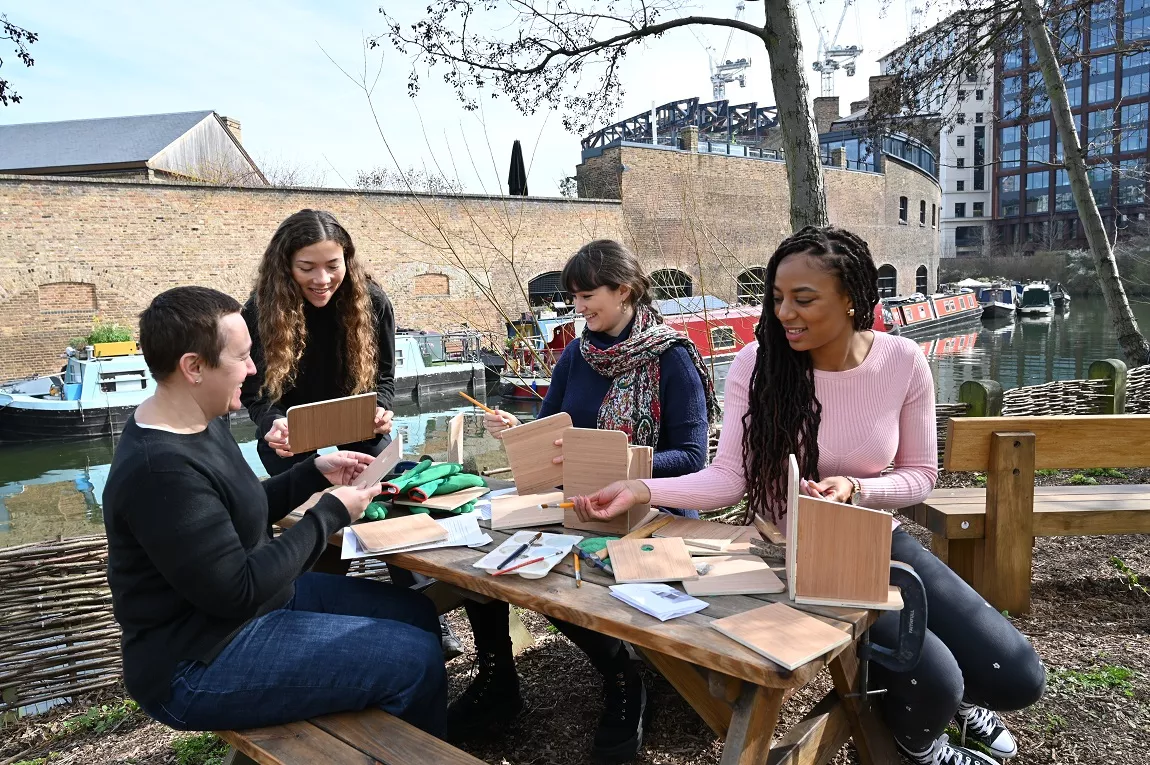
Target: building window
x=1011, y=98
x=976, y=209
x=1133, y=127
x=722, y=338
x=960, y=185
x=1037, y=192
x=960, y=140
x=960, y=118
x=1100, y=133
x=671, y=283
x=1137, y=25
x=978, y=116
x=1102, y=79
x=902, y=208
x=971, y=74
x=546, y=289
x=978, y=95
x=1008, y=196
x=920, y=283
x=1038, y=141
x=968, y=236
x=934, y=215
x=1072, y=75
x=922, y=212
x=1010, y=139
x=961, y=96
x=1038, y=102
x=960, y=162
x=1063, y=197
x=887, y=281
x=1102, y=23
x=1135, y=74
x=751, y=285
x=1132, y=182
x=1012, y=59
x=980, y=158
x=1101, y=177
x=960, y=209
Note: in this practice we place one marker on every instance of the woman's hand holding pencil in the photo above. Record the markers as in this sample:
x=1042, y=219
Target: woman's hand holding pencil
x=494, y=420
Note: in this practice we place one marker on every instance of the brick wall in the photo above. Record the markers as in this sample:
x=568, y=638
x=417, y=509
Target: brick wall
x=66, y=244
x=713, y=216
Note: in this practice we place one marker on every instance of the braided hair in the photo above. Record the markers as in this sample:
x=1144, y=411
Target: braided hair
x=784, y=413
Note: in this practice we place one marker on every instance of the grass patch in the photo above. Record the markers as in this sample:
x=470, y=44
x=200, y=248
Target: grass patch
x=1129, y=576
x=101, y=719
x=980, y=479
x=1081, y=479
x=1104, y=678
x=37, y=761
x=1046, y=472
x=1104, y=473
x=201, y=749
x=1054, y=724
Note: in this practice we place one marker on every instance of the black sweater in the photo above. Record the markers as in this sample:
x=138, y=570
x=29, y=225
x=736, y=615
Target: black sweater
x=322, y=373
x=190, y=556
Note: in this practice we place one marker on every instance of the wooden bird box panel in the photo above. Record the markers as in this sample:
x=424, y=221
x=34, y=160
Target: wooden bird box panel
x=787, y=637
x=382, y=465
x=593, y=459
x=531, y=452
x=842, y=554
x=734, y=575
x=397, y=533
x=513, y=511
x=331, y=423
x=650, y=560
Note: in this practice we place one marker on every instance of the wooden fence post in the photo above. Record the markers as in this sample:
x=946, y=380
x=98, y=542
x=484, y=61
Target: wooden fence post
x=1009, y=539
x=1114, y=372
x=983, y=398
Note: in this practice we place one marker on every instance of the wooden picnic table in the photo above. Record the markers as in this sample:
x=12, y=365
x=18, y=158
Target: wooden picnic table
x=736, y=691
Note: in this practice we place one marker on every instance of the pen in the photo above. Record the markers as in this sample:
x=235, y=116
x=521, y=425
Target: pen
x=519, y=550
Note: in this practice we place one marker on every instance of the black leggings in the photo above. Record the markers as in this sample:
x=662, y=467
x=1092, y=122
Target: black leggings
x=971, y=653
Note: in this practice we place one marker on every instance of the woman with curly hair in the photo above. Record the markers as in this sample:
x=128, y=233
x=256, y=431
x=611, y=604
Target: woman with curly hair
x=848, y=402
x=321, y=329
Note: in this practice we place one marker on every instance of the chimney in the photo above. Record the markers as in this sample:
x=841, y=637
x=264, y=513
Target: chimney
x=858, y=106
x=879, y=83
x=689, y=138
x=826, y=112
x=233, y=126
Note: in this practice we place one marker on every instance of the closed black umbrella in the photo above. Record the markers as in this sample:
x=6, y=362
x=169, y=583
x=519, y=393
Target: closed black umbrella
x=517, y=177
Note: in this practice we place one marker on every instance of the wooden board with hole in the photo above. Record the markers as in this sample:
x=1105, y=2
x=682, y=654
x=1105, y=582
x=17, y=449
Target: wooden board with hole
x=594, y=459
x=512, y=511
x=331, y=423
x=708, y=535
x=397, y=533
x=787, y=637
x=446, y=502
x=531, y=452
x=734, y=575
x=650, y=560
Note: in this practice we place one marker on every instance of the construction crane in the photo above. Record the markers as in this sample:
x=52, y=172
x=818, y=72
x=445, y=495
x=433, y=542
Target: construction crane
x=833, y=57
x=726, y=70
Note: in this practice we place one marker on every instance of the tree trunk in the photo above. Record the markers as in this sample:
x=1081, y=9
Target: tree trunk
x=800, y=139
x=1134, y=346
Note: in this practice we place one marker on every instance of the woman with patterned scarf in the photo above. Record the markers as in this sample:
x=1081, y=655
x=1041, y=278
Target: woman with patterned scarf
x=631, y=372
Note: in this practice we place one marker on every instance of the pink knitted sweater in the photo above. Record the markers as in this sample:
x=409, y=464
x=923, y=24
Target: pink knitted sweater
x=880, y=411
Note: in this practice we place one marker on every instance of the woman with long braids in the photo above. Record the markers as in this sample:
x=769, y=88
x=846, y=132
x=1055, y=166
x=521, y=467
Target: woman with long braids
x=849, y=402
x=629, y=371
x=321, y=328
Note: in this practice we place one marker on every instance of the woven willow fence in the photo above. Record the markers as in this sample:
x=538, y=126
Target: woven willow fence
x=1138, y=390
x=1056, y=398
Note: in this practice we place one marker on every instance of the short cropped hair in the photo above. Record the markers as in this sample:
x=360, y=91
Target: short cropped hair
x=183, y=320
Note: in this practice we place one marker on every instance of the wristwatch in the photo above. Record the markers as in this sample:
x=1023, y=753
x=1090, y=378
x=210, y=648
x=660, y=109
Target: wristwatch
x=856, y=490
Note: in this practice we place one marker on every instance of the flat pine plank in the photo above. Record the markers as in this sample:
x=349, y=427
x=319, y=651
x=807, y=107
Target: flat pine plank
x=331, y=423
x=292, y=744
x=391, y=740
x=1078, y=441
x=1052, y=518
x=531, y=451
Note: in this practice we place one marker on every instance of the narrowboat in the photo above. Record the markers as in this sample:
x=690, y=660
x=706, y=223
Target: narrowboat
x=1060, y=297
x=1037, y=300
x=535, y=342
x=430, y=365
x=921, y=314
x=999, y=300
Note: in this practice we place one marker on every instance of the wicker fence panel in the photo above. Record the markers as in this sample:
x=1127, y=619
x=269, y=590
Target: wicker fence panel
x=57, y=634
x=1138, y=390
x=1056, y=398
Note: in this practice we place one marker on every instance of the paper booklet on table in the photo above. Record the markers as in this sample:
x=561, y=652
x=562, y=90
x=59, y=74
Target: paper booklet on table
x=661, y=601
x=462, y=531
x=551, y=547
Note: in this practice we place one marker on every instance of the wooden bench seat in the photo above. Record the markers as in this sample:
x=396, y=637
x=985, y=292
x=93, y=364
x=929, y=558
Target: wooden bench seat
x=349, y=738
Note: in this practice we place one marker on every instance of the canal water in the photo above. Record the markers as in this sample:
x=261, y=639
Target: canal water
x=55, y=489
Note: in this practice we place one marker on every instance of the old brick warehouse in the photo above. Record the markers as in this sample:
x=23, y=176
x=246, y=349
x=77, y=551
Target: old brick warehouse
x=74, y=249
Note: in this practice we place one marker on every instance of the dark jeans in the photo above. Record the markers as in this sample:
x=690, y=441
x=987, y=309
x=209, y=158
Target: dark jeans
x=340, y=644
x=971, y=652
x=275, y=464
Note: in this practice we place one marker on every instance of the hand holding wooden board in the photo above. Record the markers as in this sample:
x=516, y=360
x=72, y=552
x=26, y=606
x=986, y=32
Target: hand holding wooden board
x=331, y=423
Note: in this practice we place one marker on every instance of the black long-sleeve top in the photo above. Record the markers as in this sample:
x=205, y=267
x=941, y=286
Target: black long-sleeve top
x=190, y=555
x=322, y=372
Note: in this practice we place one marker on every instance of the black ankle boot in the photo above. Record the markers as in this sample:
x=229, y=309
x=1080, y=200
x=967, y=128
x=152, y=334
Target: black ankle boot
x=489, y=704
x=620, y=732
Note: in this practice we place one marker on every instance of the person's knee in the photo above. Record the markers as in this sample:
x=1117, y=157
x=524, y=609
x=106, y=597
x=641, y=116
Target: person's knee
x=1024, y=686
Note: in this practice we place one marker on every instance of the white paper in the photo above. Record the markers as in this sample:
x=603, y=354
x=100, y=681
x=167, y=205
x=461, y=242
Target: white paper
x=462, y=531
x=552, y=546
x=658, y=600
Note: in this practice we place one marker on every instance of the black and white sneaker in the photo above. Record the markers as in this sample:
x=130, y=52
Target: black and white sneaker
x=942, y=752
x=985, y=727
x=448, y=642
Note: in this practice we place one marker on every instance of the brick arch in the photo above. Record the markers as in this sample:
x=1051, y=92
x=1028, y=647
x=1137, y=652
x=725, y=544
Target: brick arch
x=887, y=280
x=546, y=287
x=671, y=283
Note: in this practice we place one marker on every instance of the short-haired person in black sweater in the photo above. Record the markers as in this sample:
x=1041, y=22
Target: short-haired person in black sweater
x=320, y=329
x=223, y=626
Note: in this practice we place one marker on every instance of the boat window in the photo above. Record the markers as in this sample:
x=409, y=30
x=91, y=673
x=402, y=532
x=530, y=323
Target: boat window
x=398, y=357
x=722, y=338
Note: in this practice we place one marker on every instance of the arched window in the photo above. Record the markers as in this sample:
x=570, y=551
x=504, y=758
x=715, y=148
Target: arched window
x=750, y=286
x=670, y=283
x=546, y=289
x=920, y=284
x=887, y=281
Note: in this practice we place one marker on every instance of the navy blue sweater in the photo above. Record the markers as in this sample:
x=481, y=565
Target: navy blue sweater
x=579, y=390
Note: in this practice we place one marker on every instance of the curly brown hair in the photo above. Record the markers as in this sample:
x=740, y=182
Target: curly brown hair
x=280, y=303
x=783, y=415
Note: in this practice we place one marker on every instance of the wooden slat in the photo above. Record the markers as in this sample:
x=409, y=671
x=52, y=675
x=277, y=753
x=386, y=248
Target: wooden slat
x=1009, y=552
x=1051, y=519
x=816, y=738
x=695, y=690
x=1079, y=441
x=292, y=744
x=872, y=740
x=753, y=724
x=391, y=740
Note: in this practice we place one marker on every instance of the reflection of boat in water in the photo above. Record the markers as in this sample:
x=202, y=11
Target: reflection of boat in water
x=1036, y=300
x=921, y=314
x=950, y=345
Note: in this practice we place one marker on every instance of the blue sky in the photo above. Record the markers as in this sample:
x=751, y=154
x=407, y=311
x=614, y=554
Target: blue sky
x=263, y=63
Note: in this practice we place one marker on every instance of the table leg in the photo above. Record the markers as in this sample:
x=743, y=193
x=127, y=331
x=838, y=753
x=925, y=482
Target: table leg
x=691, y=684
x=815, y=739
x=873, y=741
x=753, y=724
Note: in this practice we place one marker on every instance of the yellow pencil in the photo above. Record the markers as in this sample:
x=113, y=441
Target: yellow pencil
x=484, y=407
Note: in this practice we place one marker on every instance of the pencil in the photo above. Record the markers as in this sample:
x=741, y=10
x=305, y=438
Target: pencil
x=484, y=407
x=519, y=550
x=559, y=504
x=578, y=571
x=503, y=571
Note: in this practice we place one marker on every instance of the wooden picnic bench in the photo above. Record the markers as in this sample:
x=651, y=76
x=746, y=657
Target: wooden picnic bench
x=737, y=692
x=987, y=535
